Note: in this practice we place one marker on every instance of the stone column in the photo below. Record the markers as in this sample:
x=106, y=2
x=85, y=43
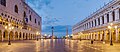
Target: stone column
x=24, y=36
x=105, y=35
x=91, y=35
x=18, y=36
x=100, y=20
x=14, y=38
x=21, y=36
x=101, y=35
x=97, y=35
x=94, y=36
x=96, y=21
x=8, y=35
x=32, y=36
x=2, y=36
x=105, y=18
x=28, y=36
x=91, y=23
x=117, y=32
x=111, y=33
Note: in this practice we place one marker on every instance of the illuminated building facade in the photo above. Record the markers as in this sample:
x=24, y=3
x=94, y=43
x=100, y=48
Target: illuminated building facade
x=25, y=22
x=102, y=25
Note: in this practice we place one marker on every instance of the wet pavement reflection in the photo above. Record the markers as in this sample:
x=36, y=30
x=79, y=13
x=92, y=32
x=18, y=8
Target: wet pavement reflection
x=65, y=45
x=52, y=45
x=57, y=45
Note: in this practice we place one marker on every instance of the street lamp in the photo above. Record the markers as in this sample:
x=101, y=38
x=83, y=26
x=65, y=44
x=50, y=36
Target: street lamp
x=9, y=28
x=45, y=36
x=37, y=33
x=68, y=36
x=111, y=27
x=71, y=36
x=80, y=35
x=48, y=36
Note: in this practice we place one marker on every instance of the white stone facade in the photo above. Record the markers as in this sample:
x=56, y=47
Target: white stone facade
x=96, y=25
x=26, y=21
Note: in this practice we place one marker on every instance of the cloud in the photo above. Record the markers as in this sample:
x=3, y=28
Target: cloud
x=59, y=13
x=41, y=6
x=38, y=4
x=51, y=21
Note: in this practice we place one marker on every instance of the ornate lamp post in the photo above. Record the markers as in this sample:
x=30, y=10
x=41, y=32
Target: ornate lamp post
x=111, y=27
x=9, y=28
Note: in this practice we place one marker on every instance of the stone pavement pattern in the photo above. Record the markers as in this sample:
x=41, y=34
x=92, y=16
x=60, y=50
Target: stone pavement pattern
x=57, y=45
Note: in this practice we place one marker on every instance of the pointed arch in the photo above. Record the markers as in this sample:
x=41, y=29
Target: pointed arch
x=16, y=8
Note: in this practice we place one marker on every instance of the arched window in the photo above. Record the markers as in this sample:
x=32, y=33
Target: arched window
x=107, y=17
x=95, y=22
x=113, y=15
x=16, y=8
x=102, y=19
x=98, y=21
x=92, y=24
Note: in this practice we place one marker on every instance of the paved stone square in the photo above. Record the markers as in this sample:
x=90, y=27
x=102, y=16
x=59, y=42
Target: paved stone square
x=57, y=45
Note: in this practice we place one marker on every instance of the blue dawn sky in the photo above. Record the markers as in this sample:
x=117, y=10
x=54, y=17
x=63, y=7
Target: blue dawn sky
x=62, y=13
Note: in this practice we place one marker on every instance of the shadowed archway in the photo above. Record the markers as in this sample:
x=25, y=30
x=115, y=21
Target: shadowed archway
x=16, y=35
x=5, y=35
x=26, y=36
x=11, y=35
x=0, y=35
x=20, y=35
x=23, y=35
